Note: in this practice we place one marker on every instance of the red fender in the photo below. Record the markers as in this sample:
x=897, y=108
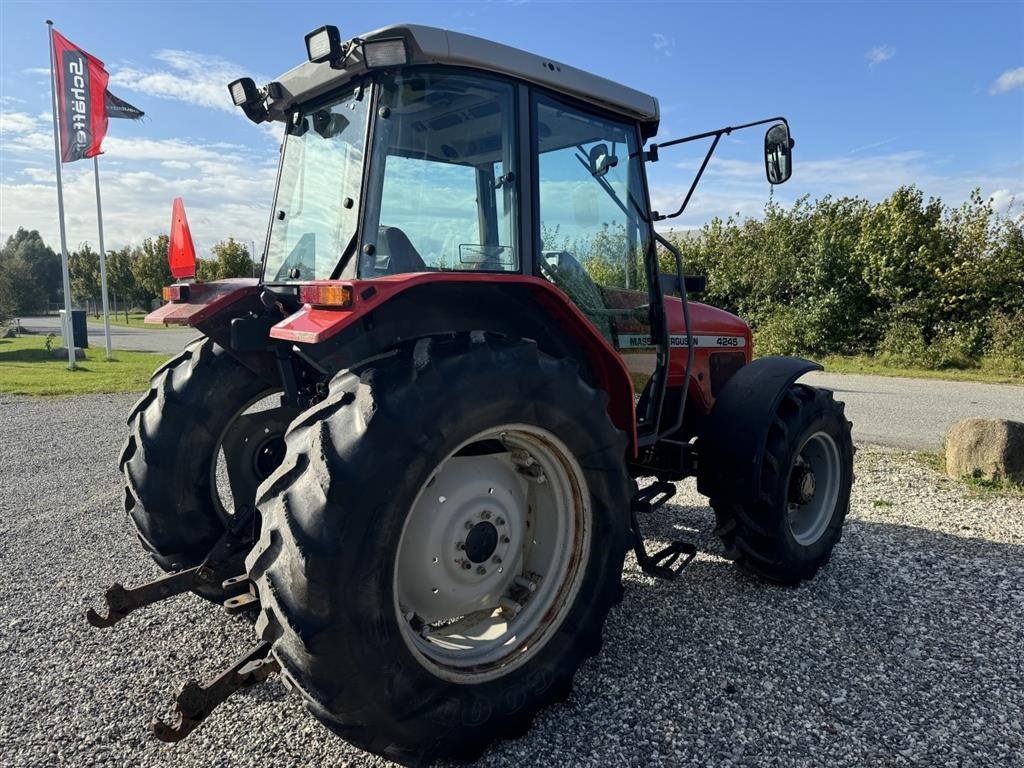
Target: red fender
x=312, y=325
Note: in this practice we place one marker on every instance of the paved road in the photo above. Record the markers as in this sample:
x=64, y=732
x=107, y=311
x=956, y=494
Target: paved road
x=167, y=340
x=916, y=413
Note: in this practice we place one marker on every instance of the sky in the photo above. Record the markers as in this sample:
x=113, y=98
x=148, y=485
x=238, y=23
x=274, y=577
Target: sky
x=877, y=94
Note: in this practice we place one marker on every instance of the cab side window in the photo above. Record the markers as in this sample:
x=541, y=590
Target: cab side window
x=592, y=232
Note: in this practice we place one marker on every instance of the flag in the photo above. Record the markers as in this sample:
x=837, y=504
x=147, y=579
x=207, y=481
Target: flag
x=120, y=108
x=81, y=100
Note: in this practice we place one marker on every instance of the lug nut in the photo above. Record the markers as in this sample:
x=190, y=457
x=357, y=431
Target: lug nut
x=481, y=570
x=495, y=559
x=505, y=539
x=466, y=566
x=469, y=524
x=461, y=545
x=486, y=515
x=500, y=521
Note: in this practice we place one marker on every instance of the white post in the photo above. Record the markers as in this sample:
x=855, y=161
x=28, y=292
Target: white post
x=69, y=340
x=103, y=259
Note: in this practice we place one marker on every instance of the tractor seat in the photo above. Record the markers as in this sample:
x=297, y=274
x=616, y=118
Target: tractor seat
x=395, y=254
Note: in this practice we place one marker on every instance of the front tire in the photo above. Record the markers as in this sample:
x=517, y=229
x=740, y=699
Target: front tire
x=787, y=532
x=372, y=609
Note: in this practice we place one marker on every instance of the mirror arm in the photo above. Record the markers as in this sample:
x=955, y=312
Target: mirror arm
x=655, y=216
x=655, y=148
x=727, y=130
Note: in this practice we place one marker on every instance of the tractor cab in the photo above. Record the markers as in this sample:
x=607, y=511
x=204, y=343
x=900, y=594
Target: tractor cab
x=414, y=150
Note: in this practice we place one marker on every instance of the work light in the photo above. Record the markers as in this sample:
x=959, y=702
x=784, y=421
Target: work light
x=385, y=53
x=324, y=44
x=243, y=91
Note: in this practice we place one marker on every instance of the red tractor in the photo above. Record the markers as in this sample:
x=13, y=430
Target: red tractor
x=420, y=447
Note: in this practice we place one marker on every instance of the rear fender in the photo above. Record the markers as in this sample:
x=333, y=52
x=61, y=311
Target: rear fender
x=210, y=308
x=394, y=309
x=204, y=301
x=731, y=440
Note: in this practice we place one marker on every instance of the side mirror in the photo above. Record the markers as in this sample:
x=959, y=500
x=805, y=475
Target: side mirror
x=601, y=160
x=778, y=153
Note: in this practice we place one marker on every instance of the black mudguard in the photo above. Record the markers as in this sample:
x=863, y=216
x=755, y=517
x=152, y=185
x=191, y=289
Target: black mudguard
x=730, y=444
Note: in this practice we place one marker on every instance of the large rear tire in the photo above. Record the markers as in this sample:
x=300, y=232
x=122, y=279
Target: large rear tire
x=452, y=475
x=176, y=432
x=787, y=533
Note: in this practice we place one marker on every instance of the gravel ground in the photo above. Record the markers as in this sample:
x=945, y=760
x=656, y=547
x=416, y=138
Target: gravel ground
x=906, y=650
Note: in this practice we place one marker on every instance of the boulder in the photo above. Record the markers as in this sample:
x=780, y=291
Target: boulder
x=989, y=448
x=61, y=353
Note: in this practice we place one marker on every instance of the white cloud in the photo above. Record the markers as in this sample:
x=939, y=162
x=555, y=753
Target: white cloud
x=226, y=188
x=664, y=44
x=17, y=122
x=1003, y=200
x=1010, y=79
x=879, y=54
x=188, y=76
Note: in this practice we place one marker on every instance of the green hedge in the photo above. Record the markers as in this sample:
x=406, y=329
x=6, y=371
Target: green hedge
x=910, y=280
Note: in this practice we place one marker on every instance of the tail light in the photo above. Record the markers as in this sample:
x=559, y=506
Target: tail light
x=333, y=295
x=176, y=293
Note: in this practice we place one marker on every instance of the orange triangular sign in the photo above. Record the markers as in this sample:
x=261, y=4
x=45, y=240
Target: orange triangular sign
x=181, y=253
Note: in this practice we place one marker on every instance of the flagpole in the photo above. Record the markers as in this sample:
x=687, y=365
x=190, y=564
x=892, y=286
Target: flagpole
x=103, y=258
x=69, y=340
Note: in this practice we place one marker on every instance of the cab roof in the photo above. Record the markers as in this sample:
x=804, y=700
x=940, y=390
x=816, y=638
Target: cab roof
x=430, y=45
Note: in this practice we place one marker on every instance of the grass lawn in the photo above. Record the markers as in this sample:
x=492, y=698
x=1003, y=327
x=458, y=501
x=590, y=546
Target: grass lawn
x=135, y=320
x=26, y=368
x=871, y=365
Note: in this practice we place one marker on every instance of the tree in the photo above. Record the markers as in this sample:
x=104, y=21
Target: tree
x=19, y=294
x=42, y=261
x=120, y=280
x=150, y=269
x=84, y=266
x=233, y=259
x=207, y=270
x=25, y=266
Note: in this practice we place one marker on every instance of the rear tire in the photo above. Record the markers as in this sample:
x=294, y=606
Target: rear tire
x=175, y=433
x=336, y=514
x=787, y=533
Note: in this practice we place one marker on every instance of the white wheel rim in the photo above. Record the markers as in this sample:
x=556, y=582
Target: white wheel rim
x=492, y=553
x=813, y=488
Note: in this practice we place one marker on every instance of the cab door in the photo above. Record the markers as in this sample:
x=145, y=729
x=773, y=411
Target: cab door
x=593, y=230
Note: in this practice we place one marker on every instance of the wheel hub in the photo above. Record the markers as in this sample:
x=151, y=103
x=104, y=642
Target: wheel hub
x=802, y=485
x=464, y=538
x=481, y=542
x=269, y=456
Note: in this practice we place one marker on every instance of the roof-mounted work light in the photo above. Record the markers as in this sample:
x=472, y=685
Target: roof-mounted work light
x=391, y=52
x=243, y=91
x=246, y=95
x=324, y=44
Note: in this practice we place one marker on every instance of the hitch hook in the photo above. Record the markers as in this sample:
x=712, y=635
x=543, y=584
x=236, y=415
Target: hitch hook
x=195, y=701
x=120, y=601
